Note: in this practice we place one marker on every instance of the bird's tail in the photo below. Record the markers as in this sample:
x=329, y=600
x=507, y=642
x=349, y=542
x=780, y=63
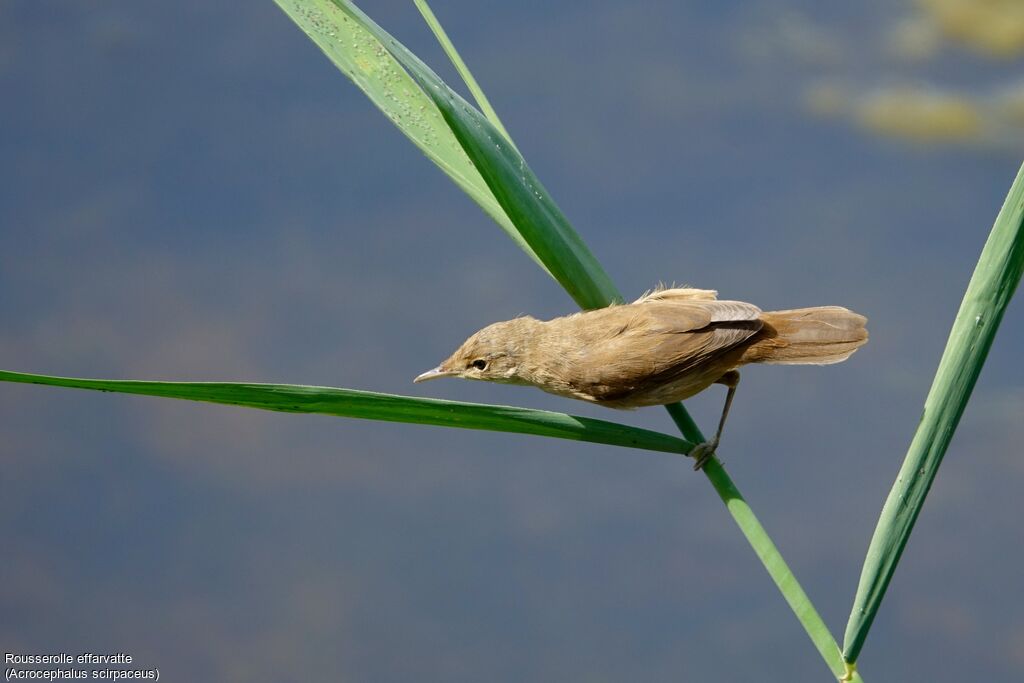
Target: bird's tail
x=808, y=336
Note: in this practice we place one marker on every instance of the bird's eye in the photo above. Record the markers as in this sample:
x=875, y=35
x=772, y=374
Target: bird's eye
x=479, y=364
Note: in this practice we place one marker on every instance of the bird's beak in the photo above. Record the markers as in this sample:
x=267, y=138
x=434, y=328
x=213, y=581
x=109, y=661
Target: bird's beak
x=439, y=371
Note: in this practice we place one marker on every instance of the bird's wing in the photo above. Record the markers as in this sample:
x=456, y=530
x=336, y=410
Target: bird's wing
x=680, y=345
x=664, y=340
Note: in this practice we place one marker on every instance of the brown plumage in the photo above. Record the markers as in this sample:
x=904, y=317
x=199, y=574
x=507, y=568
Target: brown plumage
x=666, y=346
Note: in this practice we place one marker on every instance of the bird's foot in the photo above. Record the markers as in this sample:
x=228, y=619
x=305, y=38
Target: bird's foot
x=703, y=452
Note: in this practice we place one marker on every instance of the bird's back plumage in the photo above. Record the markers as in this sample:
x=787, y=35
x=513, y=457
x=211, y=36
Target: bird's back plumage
x=673, y=343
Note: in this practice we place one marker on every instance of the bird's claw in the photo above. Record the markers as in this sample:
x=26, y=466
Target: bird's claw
x=703, y=452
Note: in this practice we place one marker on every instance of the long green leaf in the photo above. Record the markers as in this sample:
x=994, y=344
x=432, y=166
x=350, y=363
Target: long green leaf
x=526, y=202
x=521, y=196
x=460, y=66
x=995, y=278
x=357, y=47
x=769, y=554
x=295, y=398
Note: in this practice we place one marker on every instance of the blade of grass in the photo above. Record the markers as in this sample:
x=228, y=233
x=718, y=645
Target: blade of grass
x=766, y=551
x=460, y=66
x=991, y=287
x=354, y=44
x=295, y=398
x=511, y=181
x=538, y=223
x=524, y=199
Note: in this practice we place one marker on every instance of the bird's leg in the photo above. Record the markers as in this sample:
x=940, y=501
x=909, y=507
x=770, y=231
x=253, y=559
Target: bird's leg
x=703, y=452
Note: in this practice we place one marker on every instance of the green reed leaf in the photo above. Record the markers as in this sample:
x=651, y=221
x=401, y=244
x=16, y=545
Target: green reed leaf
x=449, y=49
x=296, y=398
x=989, y=292
x=365, y=53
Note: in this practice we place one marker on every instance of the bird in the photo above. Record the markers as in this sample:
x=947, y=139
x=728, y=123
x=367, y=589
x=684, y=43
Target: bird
x=666, y=346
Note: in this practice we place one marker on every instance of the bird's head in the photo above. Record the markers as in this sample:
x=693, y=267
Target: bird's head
x=493, y=354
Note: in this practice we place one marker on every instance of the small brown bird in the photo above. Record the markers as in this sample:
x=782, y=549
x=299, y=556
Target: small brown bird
x=664, y=347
